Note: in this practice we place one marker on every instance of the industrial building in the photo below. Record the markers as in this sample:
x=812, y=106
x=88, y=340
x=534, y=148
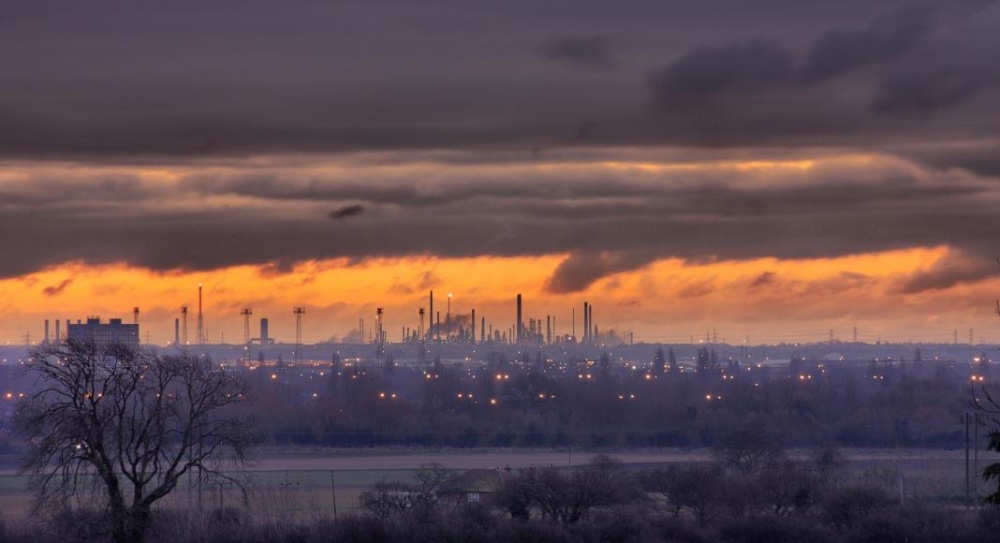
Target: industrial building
x=115, y=332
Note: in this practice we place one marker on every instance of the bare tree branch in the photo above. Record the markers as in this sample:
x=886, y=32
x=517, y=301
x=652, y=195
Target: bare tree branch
x=132, y=422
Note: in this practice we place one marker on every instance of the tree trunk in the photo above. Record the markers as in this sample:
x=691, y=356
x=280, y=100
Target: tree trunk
x=130, y=525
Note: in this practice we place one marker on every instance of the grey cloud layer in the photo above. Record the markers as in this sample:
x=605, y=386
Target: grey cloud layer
x=109, y=81
x=609, y=220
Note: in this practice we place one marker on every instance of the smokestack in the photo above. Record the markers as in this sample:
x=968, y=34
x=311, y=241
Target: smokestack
x=432, y=316
x=590, y=320
x=46, y=342
x=548, y=329
x=58, y=335
x=177, y=331
x=263, y=332
x=201, y=320
x=421, y=331
x=520, y=331
x=473, y=325
x=586, y=324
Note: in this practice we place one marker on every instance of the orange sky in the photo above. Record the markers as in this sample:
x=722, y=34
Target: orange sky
x=767, y=299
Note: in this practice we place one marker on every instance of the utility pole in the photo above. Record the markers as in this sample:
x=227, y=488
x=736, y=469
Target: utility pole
x=968, y=482
x=975, y=456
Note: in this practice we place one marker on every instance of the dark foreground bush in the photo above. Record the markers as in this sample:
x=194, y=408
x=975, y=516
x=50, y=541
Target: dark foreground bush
x=533, y=532
x=353, y=529
x=912, y=525
x=676, y=530
x=775, y=530
x=846, y=507
x=617, y=525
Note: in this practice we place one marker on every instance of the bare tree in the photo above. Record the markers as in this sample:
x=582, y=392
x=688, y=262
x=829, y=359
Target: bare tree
x=990, y=406
x=566, y=496
x=128, y=422
x=747, y=452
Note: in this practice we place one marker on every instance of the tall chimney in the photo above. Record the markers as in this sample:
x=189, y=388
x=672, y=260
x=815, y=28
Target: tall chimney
x=592, y=334
x=421, y=330
x=46, y=342
x=548, y=329
x=473, y=325
x=586, y=324
x=263, y=332
x=177, y=331
x=520, y=333
x=201, y=320
x=430, y=332
x=58, y=335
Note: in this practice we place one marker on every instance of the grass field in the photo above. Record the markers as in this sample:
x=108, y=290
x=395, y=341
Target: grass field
x=313, y=483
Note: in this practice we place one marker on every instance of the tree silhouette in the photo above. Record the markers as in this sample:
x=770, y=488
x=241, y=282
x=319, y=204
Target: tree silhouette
x=129, y=423
x=991, y=473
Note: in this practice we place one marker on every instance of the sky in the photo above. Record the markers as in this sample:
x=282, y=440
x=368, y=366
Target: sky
x=771, y=170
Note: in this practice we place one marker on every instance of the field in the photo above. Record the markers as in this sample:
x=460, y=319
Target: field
x=303, y=484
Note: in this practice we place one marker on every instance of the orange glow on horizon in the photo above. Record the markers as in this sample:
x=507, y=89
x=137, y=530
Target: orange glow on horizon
x=787, y=296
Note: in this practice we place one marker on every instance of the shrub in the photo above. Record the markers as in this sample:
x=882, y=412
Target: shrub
x=354, y=529
x=847, y=506
x=911, y=525
x=617, y=525
x=774, y=530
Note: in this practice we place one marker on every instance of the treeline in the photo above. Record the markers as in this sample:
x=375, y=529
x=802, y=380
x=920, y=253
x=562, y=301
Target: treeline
x=537, y=401
x=750, y=492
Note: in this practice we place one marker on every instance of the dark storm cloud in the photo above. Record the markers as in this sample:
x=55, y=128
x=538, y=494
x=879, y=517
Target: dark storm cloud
x=591, y=52
x=748, y=65
x=55, y=290
x=981, y=157
x=764, y=279
x=888, y=37
x=880, y=81
x=582, y=269
x=939, y=79
x=347, y=211
x=957, y=269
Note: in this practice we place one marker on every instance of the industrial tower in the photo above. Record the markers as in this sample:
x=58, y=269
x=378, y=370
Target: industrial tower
x=298, y=311
x=201, y=319
x=184, y=325
x=246, y=312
